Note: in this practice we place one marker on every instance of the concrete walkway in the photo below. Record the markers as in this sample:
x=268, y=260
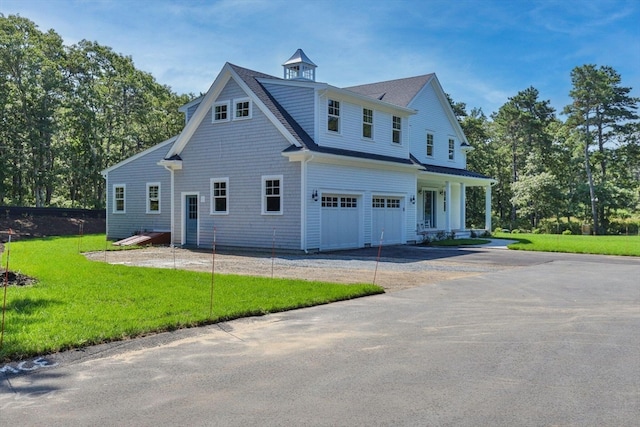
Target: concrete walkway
x=553, y=342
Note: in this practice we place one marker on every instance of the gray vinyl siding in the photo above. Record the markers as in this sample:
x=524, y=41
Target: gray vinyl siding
x=135, y=175
x=192, y=110
x=298, y=101
x=242, y=151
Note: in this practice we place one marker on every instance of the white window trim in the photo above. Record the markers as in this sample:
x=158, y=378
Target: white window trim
x=235, y=108
x=149, y=211
x=451, y=150
x=213, y=112
x=368, y=138
x=400, y=131
x=124, y=199
x=334, y=132
x=212, y=204
x=266, y=178
x=433, y=144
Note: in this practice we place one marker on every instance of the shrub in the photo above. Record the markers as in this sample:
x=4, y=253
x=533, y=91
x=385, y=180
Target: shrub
x=567, y=233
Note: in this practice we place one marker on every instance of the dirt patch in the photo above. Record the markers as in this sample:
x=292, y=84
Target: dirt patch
x=15, y=279
x=391, y=274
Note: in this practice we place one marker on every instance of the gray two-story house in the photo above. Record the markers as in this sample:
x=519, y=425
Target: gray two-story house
x=301, y=165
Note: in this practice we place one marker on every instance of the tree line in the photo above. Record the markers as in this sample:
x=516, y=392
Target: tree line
x=556, y=175
x=68, y=112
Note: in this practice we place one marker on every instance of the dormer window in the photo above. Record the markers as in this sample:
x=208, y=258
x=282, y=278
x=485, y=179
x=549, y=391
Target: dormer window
x=367, y=123
x=397, y=130
x=333, y=116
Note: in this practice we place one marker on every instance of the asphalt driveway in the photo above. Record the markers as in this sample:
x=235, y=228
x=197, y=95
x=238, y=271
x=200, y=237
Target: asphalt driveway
x=549, y=339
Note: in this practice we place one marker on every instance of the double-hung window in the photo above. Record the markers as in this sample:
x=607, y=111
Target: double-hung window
x=221, y=112
x=272, y=195
x=219, y=196
x=429, y=145
x=119, y=194
x=367, y=123
x=153, y=197
x=397, y=130
x=452, y=149
x=242, y=109
x=333, y=116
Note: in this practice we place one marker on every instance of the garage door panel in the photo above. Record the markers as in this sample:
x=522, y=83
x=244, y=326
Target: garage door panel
x=386, y=214
x=340, y=222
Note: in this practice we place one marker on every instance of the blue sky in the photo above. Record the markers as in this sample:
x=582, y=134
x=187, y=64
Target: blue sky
x=483, y=51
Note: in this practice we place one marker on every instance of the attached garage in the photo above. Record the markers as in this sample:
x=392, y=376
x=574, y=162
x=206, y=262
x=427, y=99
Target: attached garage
x=341, y=222
x=386, y=214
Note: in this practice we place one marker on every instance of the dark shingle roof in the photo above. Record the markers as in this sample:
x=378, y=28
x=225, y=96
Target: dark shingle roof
x=251, y=79
x=449, y=171
x=397, y=92
x=400, y=92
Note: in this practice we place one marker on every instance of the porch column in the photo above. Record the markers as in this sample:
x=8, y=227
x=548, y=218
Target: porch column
x=487, y=207
x=463, y=207
x=447, y=203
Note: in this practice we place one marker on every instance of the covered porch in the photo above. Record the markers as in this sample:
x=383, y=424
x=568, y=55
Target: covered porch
x=441, y=202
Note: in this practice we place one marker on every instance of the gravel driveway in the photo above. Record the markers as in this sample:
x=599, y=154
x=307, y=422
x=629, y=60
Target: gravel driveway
x=400, y=267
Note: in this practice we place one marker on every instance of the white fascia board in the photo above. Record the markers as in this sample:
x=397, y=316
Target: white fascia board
x=201, y=112
x=367, y=100
x=137, y=156
x=459, y=178
x=339, y=159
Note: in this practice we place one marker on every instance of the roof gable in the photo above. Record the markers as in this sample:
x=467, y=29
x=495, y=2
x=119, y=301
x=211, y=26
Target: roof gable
x=248, y=82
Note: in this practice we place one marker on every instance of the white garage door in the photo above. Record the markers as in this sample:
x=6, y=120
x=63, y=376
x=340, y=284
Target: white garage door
x=386, y=214
x=340, y=222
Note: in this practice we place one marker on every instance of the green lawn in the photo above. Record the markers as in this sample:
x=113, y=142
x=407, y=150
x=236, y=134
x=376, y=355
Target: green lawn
x=605, y=245
x=77, y=302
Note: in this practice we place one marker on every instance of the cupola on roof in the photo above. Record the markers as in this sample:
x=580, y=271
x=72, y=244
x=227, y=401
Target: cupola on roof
x=299, y=67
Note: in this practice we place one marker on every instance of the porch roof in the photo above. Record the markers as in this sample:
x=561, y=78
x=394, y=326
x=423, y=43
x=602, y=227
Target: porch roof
x=444, y=170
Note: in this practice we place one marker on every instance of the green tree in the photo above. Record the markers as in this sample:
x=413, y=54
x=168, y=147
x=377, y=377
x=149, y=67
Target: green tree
x=520, y=127
x=33, y=86
x=601, y=111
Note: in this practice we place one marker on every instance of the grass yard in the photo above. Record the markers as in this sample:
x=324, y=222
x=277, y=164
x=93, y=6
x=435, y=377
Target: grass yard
x=77, y=302
x=605, y=245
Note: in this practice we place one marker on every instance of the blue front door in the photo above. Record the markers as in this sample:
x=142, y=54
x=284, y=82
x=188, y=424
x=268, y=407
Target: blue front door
x=191, y=225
